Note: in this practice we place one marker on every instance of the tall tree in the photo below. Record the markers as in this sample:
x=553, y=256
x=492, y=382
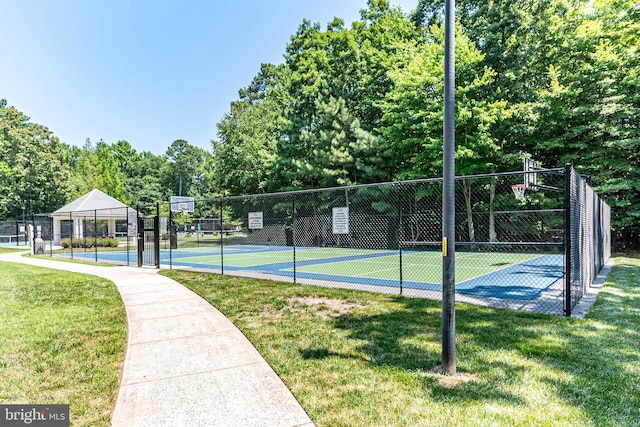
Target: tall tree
x=245, y=154
x=126, y=156
x=184, y=158
x=413, y=117
x=591, y=111
x=96, y=167
x=146, y=184
x=143, y=174
x=33, y=169
x=519, y=40
x=107, y=168
x=337, y=77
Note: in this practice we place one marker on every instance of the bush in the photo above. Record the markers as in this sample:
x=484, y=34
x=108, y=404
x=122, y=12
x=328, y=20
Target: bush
x=107, y=242
x=90, y=242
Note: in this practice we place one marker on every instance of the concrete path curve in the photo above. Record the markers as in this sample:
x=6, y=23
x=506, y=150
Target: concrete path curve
x=186, y=364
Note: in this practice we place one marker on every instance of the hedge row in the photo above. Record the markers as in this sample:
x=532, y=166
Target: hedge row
x=90, y=242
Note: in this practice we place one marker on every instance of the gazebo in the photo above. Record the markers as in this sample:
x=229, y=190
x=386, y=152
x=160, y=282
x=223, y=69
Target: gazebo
x=95, y=205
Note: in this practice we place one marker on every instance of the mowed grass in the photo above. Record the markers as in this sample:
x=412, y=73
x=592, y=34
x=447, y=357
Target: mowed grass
x=62, y=340
x=360, y=359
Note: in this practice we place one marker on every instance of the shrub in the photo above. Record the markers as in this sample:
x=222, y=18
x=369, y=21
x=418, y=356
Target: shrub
x=90, y=242
x=107, y=242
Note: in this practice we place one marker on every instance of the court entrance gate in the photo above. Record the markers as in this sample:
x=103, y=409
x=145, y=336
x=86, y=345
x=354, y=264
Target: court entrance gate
x=149, y=242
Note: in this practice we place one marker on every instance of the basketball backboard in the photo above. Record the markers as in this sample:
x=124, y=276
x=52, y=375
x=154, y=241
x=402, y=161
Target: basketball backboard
x=531, y=177
x=182, y=204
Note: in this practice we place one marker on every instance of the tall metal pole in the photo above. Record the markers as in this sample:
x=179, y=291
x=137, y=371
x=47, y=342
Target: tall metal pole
x=567, y=237
x=448, y=198
x=221, y=241
x=293, y=235
x=24, y=228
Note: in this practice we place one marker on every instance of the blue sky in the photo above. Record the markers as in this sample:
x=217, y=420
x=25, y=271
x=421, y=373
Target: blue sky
x=148, y=72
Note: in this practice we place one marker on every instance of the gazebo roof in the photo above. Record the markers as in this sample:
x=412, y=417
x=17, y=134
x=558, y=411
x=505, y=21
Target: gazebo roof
x=94, y=203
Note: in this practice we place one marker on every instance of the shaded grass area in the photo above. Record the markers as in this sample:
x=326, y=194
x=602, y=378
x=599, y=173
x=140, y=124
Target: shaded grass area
x=63, y=339
x=353, y=358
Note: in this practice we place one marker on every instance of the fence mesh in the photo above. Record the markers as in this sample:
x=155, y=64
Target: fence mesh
x=13, y=233
x=383, y=237
x=589, y=245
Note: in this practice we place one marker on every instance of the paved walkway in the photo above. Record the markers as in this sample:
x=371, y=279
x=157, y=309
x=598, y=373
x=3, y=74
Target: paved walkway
x=186, y=364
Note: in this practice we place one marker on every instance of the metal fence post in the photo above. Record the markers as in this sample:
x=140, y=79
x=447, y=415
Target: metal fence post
x=34, y=233
x=50, y=236
x=221, y=241
x=139, y=236
x=73, y=228
x=171, y=238
x=95, y=234
x=128, y=232
x=293, y=234
x=400, y=232
x=156, y=236
x=568, y=197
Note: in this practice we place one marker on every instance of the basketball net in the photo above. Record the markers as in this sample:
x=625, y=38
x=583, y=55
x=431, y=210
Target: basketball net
x=518, y=191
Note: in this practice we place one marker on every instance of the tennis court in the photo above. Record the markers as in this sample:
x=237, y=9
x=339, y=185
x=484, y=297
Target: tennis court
x=496, y=275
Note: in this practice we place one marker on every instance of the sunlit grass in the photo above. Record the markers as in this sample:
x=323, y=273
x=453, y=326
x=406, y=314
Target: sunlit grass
x=354, y=358
x=63, y=339
x=8, y=249
x=84, y=261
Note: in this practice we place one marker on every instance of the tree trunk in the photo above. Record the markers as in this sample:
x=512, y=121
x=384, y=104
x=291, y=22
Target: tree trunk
x=493, y=236
x=466, y=187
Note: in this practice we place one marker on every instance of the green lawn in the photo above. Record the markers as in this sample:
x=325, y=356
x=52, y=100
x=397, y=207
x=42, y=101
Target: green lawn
x=7, y=249
x=63, y=339
x=354, y=358
x=351, y=358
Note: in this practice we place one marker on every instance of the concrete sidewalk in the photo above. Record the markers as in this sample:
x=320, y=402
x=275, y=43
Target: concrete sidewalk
x=186, y=364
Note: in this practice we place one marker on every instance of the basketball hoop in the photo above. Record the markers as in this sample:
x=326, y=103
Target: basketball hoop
x=182, y=204
x=183, y=207
x=518, y=191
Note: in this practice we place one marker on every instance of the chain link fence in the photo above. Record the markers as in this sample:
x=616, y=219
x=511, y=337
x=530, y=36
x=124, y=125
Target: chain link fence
x=589, y=242
x=13, y=233
x=539, y=253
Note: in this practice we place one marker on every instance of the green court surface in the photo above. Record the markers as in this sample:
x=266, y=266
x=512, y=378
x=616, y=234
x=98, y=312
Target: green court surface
x=494, y=274
x=241, y=257
x=419, y=266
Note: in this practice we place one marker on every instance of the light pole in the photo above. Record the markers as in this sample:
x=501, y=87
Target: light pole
x=448, y=197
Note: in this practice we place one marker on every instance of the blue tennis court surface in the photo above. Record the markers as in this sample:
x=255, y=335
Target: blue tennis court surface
x=495, y=275
x=525, y=280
